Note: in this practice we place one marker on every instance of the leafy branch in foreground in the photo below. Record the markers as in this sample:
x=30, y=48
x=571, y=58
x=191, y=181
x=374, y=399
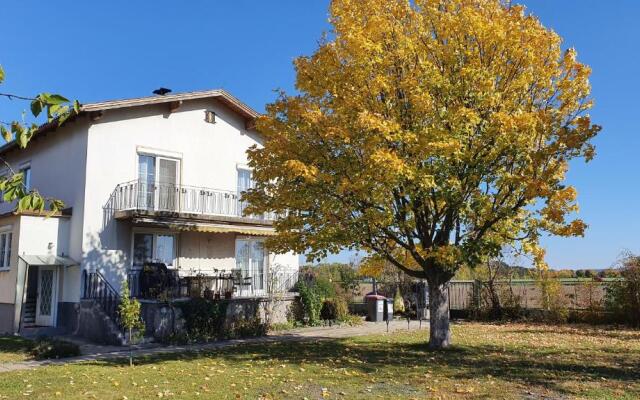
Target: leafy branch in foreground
x=57, y=110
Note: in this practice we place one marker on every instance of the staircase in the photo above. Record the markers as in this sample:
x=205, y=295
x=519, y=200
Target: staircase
x=99, y=317
x=29, y=313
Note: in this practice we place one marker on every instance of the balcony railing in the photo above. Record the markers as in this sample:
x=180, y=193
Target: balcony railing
x=140, y=195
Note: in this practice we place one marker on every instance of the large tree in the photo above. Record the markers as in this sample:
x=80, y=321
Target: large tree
x=429, y=132
x=56, y=109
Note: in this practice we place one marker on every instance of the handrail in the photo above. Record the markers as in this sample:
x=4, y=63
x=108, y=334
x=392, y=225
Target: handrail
x=97, y=288
x=171, y=197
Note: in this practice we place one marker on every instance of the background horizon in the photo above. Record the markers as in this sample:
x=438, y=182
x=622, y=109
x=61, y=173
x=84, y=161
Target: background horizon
x=119, y=49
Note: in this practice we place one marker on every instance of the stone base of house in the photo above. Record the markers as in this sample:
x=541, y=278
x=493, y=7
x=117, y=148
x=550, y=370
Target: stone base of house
x=6, y=318
x=94, y=325
x=163, y=320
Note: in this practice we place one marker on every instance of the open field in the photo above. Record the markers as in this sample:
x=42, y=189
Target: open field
x=487, y=361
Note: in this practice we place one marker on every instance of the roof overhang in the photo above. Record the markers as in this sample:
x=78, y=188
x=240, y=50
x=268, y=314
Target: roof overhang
x=206, y=227
x=42, y=260
x=94, y=110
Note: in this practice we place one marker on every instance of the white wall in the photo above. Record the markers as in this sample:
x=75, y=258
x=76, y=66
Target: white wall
x=57, y=163
x=210, y=155
x=44, y=236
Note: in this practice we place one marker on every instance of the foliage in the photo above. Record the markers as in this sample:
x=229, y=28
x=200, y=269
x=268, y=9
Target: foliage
x=14, y=348
x=48, y=348
x=204, y=318
x=405, y=139
x=553, y=301
x=398, y=303
x=623, y=296
x=247, y=327
x=335, y=309
x=57, y=110
x=130, y=311
x=311, y=302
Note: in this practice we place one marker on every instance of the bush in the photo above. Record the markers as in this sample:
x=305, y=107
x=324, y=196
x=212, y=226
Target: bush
x=328, y=311
x=398, y=303
x=204, y=319
x=553, y=302
x=48, y=348
x=249, y=327
x=311, y=302
x=623, y=296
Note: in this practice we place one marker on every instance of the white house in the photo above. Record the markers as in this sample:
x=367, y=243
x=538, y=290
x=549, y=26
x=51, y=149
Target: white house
x=153, y=179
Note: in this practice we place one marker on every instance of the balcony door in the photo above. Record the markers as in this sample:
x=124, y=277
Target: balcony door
x=158, y=181
x=251, y=259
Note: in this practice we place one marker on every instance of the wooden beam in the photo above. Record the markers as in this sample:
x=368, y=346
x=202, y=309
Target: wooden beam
x=175, y=105
x=95, y=115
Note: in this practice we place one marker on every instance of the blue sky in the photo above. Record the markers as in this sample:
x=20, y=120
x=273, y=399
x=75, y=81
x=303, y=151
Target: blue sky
x=117, y=49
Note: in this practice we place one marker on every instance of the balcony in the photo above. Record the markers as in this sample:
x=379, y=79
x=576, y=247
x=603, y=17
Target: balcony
x=173, y=200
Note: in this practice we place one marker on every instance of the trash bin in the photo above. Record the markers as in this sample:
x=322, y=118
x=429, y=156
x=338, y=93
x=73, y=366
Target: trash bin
x=388, y=310
x=375, y=307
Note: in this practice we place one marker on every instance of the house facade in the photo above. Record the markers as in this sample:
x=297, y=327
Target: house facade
x=146, y=181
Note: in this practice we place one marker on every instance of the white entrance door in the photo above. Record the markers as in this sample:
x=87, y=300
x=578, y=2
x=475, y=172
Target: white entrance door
x=47, y=303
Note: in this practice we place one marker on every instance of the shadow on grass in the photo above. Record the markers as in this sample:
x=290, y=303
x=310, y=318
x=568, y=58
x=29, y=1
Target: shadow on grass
x=528, y=366
x=14, y=344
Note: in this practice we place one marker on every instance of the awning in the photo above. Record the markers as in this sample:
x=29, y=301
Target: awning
x=37, y=260
x=218, y=228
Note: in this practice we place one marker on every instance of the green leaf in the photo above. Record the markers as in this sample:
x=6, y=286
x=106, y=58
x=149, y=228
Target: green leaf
x=6, y=134
x=56, y=99
x=24, y=203
x=36, y=107
x=1, y=74
x=76, y=106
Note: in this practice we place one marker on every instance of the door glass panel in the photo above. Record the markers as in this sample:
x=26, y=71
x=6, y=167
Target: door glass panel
x=167, y=181
x=146, y=181
x=165, y=249
x=257, y=264
x=46, y=291
x=142, y=249
x=245, y=182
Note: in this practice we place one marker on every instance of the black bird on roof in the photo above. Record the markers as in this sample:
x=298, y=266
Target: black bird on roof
x=162, y=91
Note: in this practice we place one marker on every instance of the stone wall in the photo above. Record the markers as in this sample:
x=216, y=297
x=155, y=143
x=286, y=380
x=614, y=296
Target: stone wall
x=96, y=326
x=162, y=320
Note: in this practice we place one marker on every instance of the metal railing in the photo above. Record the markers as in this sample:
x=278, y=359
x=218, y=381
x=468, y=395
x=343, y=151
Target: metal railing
x=219, y=284
x=97, y=288
x=171, y=197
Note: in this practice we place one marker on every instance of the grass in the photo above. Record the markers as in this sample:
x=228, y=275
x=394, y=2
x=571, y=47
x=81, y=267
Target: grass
x=14, y=348
x=487, y=361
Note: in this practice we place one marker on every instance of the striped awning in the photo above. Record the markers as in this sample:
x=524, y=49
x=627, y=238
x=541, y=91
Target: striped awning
x=218, y=228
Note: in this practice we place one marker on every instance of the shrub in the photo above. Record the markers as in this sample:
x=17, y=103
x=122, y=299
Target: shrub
x=311, y=302
x=204, y=319
x=623, y=296
x=328, y=311
x=48, y=348
x=249, y=327
x=398, y=303
x=553, y=302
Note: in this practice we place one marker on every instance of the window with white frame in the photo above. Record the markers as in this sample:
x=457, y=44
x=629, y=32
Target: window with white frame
x=5, y=249
x=251, y=260
x=154, y=247
x=26, y=177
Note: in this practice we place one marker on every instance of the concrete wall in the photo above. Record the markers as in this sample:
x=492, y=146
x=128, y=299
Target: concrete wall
x=57, y=163
x=8, y=276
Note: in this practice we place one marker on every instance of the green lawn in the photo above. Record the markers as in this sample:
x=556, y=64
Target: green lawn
x=488, y=361
x=14, y=348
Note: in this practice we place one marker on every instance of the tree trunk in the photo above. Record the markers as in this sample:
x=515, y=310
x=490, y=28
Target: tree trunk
x=439, y=333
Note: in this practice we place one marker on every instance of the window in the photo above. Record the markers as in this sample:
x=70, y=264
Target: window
x=26, y=177
x=151, y=247
x=5, y=249
x=210, y=117
x=158, y=178
x=250, y=259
